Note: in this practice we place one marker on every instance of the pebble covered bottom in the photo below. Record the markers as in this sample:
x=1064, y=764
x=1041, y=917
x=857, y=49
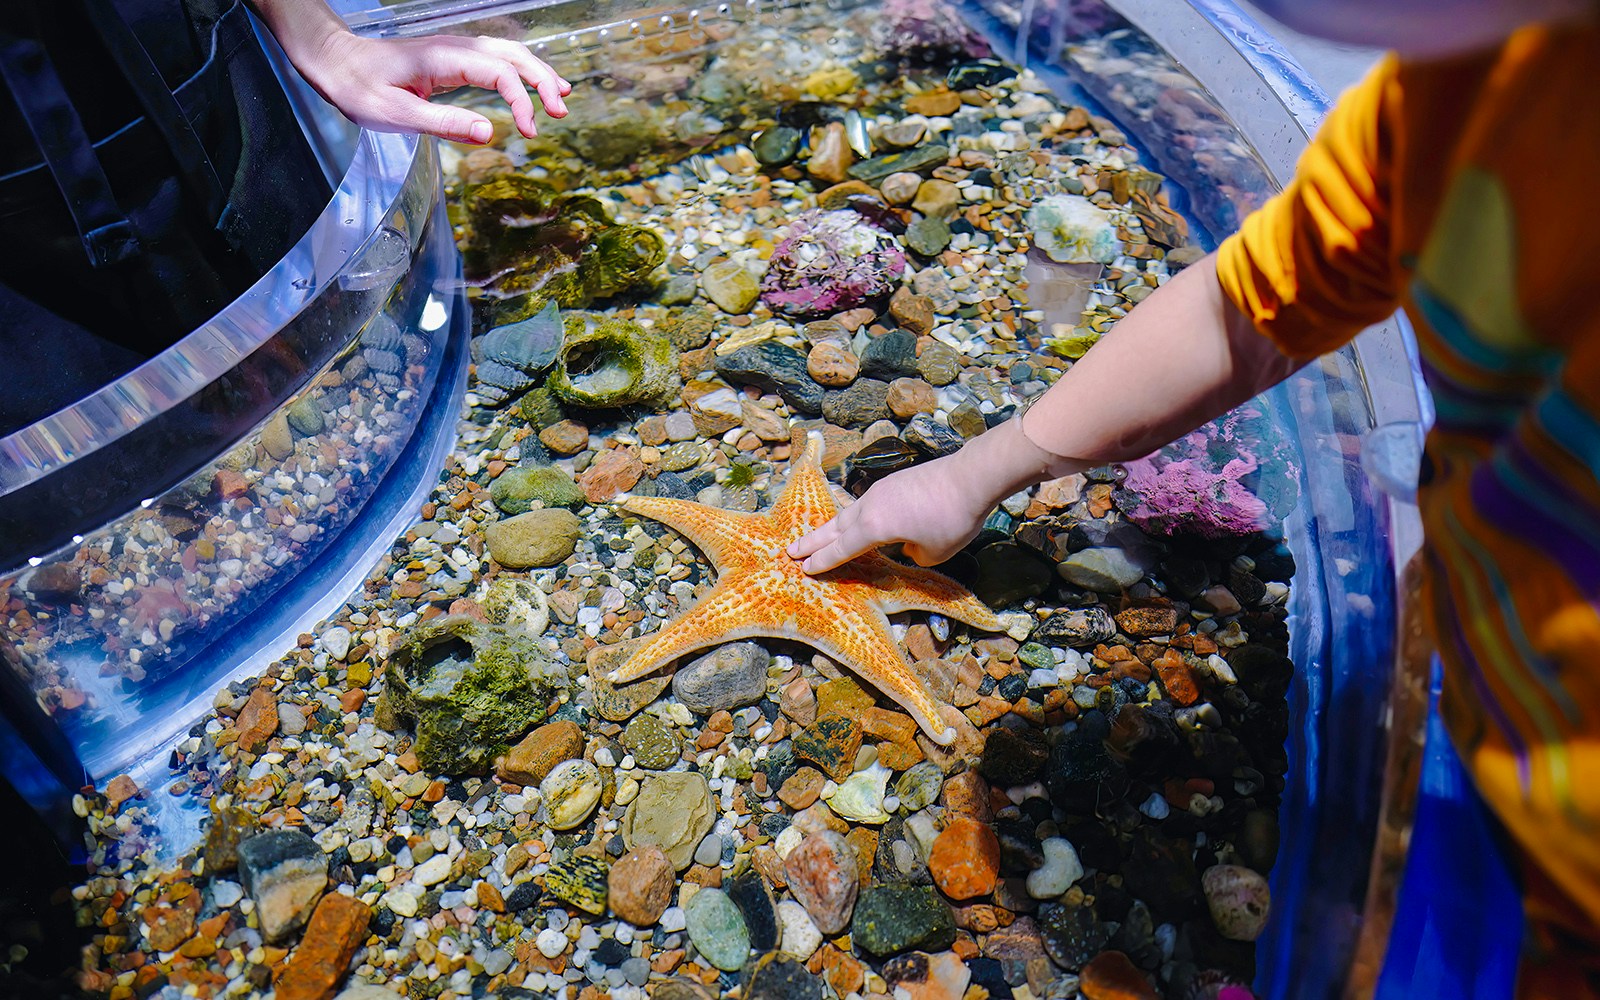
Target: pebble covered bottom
x=1100, y=822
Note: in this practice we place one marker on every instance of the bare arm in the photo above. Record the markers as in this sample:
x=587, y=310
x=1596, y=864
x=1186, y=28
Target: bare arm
x=384, y=84
x=1185, y=356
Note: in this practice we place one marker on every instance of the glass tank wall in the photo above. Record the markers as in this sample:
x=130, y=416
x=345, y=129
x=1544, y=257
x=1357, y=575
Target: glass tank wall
x=163, y=532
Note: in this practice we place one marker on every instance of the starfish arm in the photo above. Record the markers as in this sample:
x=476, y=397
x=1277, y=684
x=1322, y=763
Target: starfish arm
x=912, y=588
x=720, y=534
x=806, y=502
x=727, y=614
x=859, y=637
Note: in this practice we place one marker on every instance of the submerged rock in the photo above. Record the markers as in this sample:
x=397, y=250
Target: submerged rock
x=470, y=688
x=511, y=357
x=529, y=246
x=285, y=872
x=1073, y=230
x=831, y=262
x=717, y=929
x=674, y=812
x=518, y=488
x=894, y=918
x=614, y=362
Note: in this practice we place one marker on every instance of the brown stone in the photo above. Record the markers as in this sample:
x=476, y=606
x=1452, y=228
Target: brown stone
x=832, y=365
x=934, y=103
x=900, y=188
x=613, y=472
x=965, y=859
x=883, y=724
x=839, y=195
x=937, y=199
x=831, y=157
x=1111, y=975
x=911, y=396
x=824, y=877
x=619, y=703
x=1142, y=621
x=640, y=885
x=258, y=721
x=315, y=969
x=120, y=789
x=565, y=437
x=798, y=701
x=913, y=312
x=167, y=927
x=230, y=484
x=830, y=743
x=529, y=761
x=967, y=794
x=490, y=898
x=843, y=696
x=1177, y=677
x=802, y=788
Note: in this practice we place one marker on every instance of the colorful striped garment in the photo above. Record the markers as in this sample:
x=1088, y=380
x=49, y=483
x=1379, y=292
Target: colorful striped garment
x=1458, y=190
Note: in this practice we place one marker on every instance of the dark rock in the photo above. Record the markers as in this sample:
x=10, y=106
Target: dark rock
x=776, y=976
x=891, y=356
x=895, y=918
x=1072, y=934
x=776, y=146
x=1009, y=574
x=523, y=896
x=1013, y=756
x=1161, y=871
x=1079, y=628
x=285, y=872
x=749, y=894
x=912, y=160
x=772, y=367
x=898, y=860
x=928, y=236
x=862, y=402
x=932, y=437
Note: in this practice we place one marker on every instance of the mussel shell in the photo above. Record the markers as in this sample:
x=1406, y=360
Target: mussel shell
x=877, y=460
x=983, y=73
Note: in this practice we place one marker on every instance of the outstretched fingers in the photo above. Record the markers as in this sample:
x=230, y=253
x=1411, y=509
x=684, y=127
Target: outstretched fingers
x=835, y=543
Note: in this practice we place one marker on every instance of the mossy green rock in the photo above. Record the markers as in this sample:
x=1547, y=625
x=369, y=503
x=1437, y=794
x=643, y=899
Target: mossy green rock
x=540, y=408
x=518, y=489
x=890, y=919
x=652, y=743
x=579, y=880
x=611, y=362
x=470, y=689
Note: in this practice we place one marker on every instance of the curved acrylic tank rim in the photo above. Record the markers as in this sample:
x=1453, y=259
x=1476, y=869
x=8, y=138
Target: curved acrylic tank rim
x=368, y=192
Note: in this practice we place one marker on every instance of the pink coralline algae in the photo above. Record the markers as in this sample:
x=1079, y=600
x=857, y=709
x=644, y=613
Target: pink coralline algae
x=928, y=31
x=1194, y=486
x=830, y=262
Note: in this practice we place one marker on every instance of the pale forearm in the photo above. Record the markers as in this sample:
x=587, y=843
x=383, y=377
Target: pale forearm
x=1183, y=357
x=302, y=27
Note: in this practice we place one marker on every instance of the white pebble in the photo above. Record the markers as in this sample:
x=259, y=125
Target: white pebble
x=1061, y=868
x=550, y=943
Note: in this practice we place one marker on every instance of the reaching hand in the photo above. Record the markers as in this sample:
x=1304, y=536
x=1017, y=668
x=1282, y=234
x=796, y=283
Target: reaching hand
x=384, y=84
x=934, y=509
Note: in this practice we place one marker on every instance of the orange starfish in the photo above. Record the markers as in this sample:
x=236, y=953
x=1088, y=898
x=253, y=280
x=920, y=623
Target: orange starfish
x=761, y=591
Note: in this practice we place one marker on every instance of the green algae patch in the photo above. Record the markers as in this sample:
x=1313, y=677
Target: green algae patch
x=609, y=362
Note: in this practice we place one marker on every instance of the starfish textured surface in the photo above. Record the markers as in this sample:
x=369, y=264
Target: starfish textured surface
x=761, y=591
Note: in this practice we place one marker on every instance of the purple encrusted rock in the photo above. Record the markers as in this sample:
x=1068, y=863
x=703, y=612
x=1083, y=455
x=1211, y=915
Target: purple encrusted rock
x=831, y=262
x=1193, y=486
x=927, y=31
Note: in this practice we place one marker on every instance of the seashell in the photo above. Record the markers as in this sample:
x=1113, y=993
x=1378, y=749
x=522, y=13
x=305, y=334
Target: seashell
x=855, y=133
x=860, y=798
x=517, y=604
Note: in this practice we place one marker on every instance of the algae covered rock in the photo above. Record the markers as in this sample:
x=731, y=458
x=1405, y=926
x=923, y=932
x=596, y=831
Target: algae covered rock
x=611, y=362
x=518, y=489
x=527, y=246
x=471, y=690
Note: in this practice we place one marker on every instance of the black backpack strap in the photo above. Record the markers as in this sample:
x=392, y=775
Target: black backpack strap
x=108, y=237
x=160, y=104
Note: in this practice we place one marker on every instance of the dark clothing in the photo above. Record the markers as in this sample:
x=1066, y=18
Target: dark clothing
x=151, y=170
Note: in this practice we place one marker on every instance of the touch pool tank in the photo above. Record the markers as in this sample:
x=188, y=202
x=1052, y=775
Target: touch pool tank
x=1211, y=104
